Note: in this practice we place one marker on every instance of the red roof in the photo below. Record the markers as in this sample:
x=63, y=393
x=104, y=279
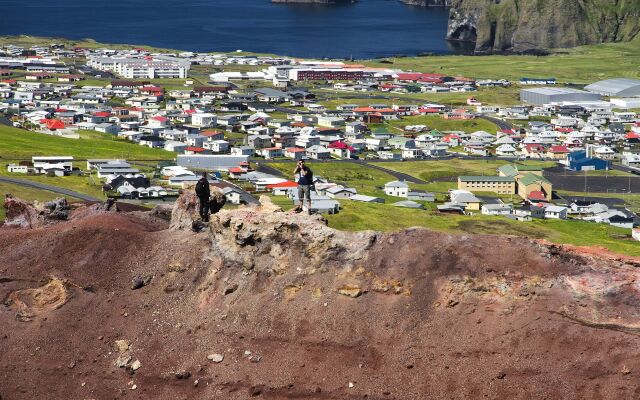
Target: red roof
x=534, y=147
x=283, y=185
x=632, y=135
x=237, y=170
x=295, y=150
x=340, y=145
x=102, y=114
x=160, y=118
x=195, y=149
x=211, y=133
x=429, y=110
x=364, y=109
x=53, y=124
x=537, y=195
x=559, y=149
x=564, y=130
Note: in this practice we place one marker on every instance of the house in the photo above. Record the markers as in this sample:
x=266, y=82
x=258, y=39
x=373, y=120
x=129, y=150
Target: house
x=366, y=199
x=409, y=204
x=296, y=153
x=41, y=163
x=556, y=212
x=270, y=152
x=340, y=192
x=242, y=151
x=531, y=182
x=259, y=141
x=331, y=122
x=107, y=128
x=529, y=211
x=203, y=120
x=18, y=169
x=396, y=189
x=282, y=188
x=421, y=195
x=496, y=209
x=505, y=150
x=318, y=153
x=465, y=199
x=217, y=146
x=558, y=152
x=233, y=195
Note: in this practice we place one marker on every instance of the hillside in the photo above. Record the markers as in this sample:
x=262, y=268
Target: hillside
x=275, y=305
x=533, y=25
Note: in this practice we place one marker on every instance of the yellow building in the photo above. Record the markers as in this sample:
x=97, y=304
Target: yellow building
x=496, y=184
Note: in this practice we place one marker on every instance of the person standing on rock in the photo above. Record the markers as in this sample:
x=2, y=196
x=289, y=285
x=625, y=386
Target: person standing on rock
x=305, y=182
x=204, y=193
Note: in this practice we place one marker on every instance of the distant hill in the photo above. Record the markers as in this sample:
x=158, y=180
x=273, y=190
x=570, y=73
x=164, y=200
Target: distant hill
x=533, y=25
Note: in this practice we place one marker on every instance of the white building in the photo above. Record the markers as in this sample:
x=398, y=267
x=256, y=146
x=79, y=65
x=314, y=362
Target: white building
x=396, y=189
x=203, y=119
x=158, y=67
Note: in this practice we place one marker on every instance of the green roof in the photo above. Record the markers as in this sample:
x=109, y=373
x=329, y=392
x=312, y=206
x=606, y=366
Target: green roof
x=508, y=170
x=530, y=178
x=491, y=178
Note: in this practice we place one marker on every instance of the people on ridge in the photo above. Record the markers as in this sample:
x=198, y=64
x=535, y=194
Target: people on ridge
x=204, y=193
x=305, y=182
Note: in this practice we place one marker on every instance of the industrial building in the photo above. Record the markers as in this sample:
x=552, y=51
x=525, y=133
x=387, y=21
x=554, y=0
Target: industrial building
x=546, y=95
x=619, y=87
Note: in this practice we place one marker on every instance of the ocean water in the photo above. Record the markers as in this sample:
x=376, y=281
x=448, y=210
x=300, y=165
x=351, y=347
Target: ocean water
x=367, y=29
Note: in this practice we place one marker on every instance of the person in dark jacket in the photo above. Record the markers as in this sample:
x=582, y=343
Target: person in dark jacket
x=204, y=193
x=305, y=184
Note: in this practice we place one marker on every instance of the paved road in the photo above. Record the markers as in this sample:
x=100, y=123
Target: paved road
x=501, y=124
x=55, y=189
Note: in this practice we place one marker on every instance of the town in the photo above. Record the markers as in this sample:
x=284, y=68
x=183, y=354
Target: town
x=376, y=137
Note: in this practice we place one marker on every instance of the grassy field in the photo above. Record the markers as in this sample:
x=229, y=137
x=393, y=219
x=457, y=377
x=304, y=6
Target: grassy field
x=360, y=216
x=437, y=170
x=498, y=96
x=583, y=64
x=366, y=180
x=441, y=124
x=26, y=193
x=22, y=144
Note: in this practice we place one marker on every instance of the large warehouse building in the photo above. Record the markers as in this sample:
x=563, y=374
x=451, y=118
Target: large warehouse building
x=546, y=95
x=619, y=87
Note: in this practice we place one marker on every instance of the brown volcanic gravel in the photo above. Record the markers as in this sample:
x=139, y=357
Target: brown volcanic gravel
x=432, y=316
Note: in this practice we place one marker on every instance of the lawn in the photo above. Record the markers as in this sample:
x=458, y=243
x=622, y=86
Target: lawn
x=498, y=96
x=443, y=169
x=26, y=193
x=364, y=179
x=356, y=216
x=583, y=64
x=441, y=124
x=22, y=144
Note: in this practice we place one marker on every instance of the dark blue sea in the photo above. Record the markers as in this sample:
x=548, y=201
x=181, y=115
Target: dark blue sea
x=367, y=29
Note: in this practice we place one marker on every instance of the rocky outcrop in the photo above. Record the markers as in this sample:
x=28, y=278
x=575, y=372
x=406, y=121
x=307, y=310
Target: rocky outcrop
x=22, y=214
x=273, y=304
x=524, y=26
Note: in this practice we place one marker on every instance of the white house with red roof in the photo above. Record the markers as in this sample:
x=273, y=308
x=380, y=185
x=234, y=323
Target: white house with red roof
x=158, y=122
x=282, y=188
x=296, y=153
